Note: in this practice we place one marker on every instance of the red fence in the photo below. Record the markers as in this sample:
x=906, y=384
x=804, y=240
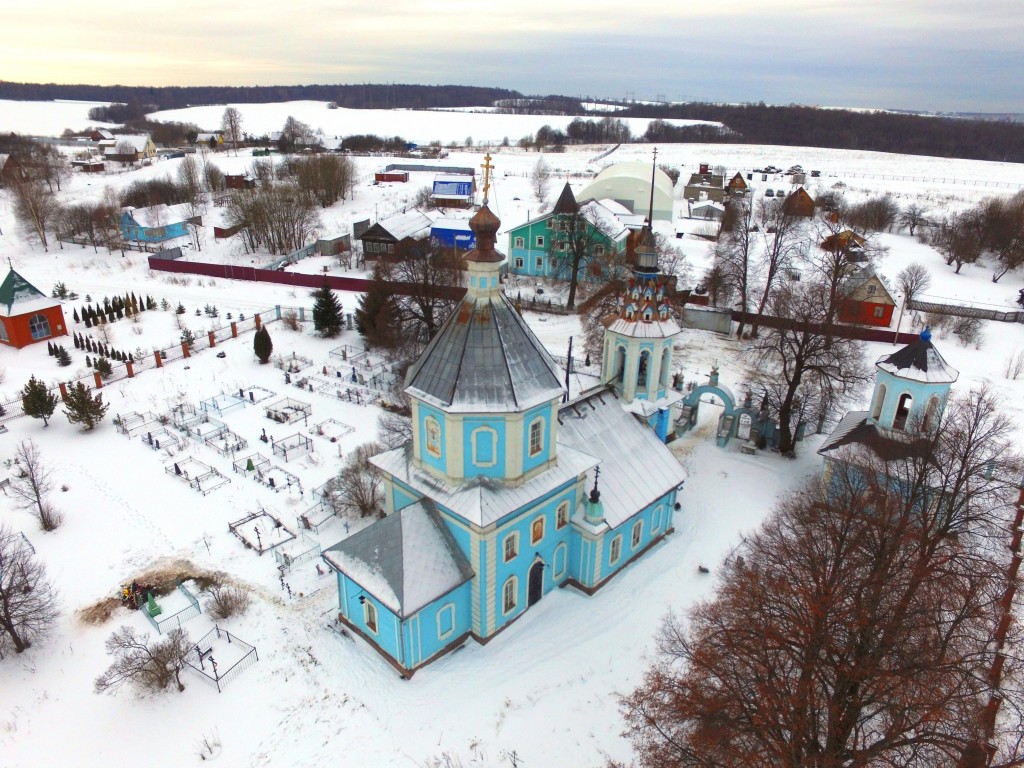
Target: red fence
x=842, y=331
x=229, y=272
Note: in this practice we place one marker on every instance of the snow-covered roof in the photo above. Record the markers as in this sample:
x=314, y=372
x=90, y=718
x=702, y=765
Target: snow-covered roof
x=485, y=359
x=407, y=224
x=19, y=297
x=160, y=215
x=631, y=182
x=707, y=204
x=407, y=560
x=138, y=141
x=454, y=178
x=636, y=467
x=483, y=501
x=640, y=329
x=604, y=220
x=452, y=224
x=919, y=361
x=856, y=430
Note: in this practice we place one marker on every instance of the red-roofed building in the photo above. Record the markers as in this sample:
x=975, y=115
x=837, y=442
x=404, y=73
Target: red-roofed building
x=27, y=315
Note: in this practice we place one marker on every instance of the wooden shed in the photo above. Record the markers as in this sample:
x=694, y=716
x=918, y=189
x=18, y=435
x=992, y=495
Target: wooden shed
x=400, y=176
x=799, y=203
x=27, y=315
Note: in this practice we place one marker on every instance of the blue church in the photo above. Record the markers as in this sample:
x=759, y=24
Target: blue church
x=505, y=492
x=911, y=390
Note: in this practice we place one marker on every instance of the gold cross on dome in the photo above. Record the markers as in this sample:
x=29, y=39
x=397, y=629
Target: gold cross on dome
x=487, y=174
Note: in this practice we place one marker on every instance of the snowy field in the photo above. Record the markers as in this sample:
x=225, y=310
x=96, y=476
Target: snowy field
x=546, y=688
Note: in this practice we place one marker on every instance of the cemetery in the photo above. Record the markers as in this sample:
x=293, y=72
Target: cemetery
x=260, y=531
x=132, y=423
x=172, y=610
x=226, y=443
x=223, y=403
x=251, y=465
x=288, y=410
x=293, y=446
x=219, y=657
x=302, y=550
x=162, y=439
x=200, y=476
x=331, y=429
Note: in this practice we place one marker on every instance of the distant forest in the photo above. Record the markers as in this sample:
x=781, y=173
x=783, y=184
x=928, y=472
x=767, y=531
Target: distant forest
x=368, y=96
x=844, y=129
x=745, y=124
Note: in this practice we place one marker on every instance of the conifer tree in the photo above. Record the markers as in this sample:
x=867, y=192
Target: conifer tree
x=103, y=367
x=37, y=401
x=83, y=408
x=376, y=315
x=63, y=358
x=74, y=314
x=88, y=361
x=262, y=345
x=327, y=318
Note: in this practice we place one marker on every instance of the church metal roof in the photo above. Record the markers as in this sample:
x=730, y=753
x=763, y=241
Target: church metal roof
x=406, y=560
x=919, y=361
x=485, y=359
x=636, y=467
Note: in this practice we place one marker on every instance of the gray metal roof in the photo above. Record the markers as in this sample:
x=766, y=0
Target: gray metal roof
x=406, y=560
x=636, y=467
x=483, y=501
x=484, y=359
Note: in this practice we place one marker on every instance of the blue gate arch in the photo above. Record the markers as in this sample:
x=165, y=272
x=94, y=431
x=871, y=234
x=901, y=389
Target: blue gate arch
x=742, y=421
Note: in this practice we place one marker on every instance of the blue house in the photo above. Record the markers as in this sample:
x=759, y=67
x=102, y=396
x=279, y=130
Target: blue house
x=452, y=234
x=453, y=190
x=504, y=492
x=157, y=223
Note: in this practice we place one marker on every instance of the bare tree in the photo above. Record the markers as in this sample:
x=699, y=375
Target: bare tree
x=855, y=629
x=28, y=601
x=327, y=178
x=781, y=245
x=959, y=238
x=36, y=209
x=912, y=281
x=804, y=373
x=31, y=482
x=541, y=181
x=227, y=600
x=1003, y=233
x=149, y=666
x=735, y=254
x=394, y=429
x=912, y=217
x=50, y=165
x=432, y=279
x=581, y=244
x=357, y=490
x=231, y=125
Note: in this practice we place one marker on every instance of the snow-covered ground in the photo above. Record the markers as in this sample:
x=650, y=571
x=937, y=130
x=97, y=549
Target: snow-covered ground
x=546, y=688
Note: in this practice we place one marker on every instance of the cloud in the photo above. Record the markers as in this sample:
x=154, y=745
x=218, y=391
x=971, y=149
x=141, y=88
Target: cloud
x=924, y=54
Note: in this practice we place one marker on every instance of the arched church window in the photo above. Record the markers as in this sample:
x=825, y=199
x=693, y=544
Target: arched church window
x=562, y=515
x=620, y=364
x=930, y=414
x=510, y=547
x=39, y=326
x=484, y=441
x=536, y=436
x=637, y=534
x=432, y=428
x=641, y=373
x=508, y=595
x=906, y=402
x=561, y=552
x=370, y=615
x=876, y=413
x=666, y=366
x=615, y=550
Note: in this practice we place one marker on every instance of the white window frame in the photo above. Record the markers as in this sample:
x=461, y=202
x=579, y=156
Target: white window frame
x=637, y=534
x=562, y=516
x=540, y=241
x=448, y=608
x=615, y=550
x=529, y=437
x=477, y=462
x=513, y=540
x=656, y=519
x=564, y=550
x=519, y=262
x=599, y=250
x=519, y=243
x=509, y=595
x=370, y=618
x=540, y=262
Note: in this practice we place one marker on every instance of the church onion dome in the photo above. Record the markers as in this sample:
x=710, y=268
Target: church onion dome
x=485, y=226
x=919, y=361
x=485, y=358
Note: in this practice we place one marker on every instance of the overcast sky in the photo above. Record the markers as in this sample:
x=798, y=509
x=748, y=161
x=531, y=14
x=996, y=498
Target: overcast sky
x=952, y=55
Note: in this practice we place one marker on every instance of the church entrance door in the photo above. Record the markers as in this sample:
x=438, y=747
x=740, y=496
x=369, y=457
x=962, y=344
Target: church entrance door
x=536, y=585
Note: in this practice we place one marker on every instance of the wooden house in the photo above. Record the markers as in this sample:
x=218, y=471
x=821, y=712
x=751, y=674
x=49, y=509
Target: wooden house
x=102, y=134
x=398, y=176
x=866, y=300
x=845, y=241
x=392, y=237
x=239, y=181
x=737, y=186
x=129, y=148
x=799, y=203
x=12, y=170
x=27, y=315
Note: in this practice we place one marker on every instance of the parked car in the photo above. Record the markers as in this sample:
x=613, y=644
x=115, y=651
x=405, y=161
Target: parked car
x=769, y=193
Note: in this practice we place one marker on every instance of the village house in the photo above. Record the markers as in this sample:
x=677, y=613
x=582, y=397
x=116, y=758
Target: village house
x=393, y=236
x=128, y=148
x=453, y=191
x=866, y=300
x=27, y=315
x=157, y=223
